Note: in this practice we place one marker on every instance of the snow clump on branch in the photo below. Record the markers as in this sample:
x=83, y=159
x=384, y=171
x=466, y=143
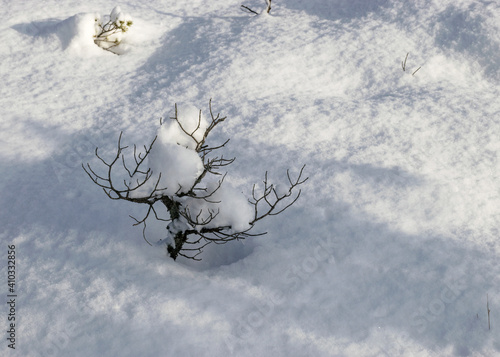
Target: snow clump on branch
x=173, y=155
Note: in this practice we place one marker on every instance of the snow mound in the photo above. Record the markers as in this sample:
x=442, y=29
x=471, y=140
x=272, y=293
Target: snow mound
x=77, y=35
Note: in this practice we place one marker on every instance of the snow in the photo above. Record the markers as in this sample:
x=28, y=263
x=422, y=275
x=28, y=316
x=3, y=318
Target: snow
x=189, y=127
x=178, y=165
x=393, y=244
x=76, y=35
x=230, y=206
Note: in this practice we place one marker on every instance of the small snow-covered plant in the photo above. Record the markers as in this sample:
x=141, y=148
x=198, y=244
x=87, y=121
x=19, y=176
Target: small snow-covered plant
x=267, y=10
x=179, y=173
x=109, y=30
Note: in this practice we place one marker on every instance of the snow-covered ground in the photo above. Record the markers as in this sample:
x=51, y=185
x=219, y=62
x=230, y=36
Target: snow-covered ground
x=390, y=251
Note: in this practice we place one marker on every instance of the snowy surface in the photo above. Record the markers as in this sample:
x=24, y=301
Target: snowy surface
x=390, y=250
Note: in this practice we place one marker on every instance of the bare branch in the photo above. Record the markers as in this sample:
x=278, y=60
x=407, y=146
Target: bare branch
x=246, y=8
x=106, y=182
x=214, y=122
x=272, y=202
x=198, y=220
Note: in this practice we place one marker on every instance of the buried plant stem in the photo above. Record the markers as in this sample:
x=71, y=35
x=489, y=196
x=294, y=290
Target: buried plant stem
x=268, y=8
x=488, y=308
x=403, y=64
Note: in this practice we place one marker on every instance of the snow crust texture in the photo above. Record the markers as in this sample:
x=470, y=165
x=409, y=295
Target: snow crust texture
x=391, y=249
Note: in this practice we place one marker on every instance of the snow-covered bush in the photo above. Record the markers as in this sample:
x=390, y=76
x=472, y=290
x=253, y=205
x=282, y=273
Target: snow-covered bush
x=109, y=30
x=179, y=172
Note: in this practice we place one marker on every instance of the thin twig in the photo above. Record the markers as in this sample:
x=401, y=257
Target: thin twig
x=403, y=64
x=488, y=308
x=249, y=10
